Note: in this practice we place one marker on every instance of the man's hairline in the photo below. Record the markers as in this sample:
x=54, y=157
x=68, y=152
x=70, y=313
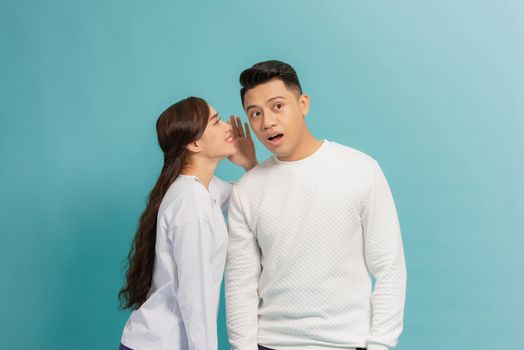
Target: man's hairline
x=295, y=89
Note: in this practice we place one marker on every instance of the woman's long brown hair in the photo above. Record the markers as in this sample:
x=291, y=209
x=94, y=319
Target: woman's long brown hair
x=178, y=126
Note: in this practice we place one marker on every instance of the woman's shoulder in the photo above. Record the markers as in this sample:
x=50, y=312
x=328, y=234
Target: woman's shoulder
x=220, y=187
x=186, y=199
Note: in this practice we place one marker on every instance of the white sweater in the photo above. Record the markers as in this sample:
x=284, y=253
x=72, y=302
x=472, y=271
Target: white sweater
x=304, y=239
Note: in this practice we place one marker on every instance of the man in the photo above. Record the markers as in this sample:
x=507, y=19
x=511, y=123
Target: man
x=307, y=229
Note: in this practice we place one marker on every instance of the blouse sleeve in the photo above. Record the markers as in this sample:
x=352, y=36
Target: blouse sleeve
x=192, y=241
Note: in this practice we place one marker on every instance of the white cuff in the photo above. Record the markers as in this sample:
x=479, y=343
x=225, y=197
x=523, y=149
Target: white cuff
x=375, y=346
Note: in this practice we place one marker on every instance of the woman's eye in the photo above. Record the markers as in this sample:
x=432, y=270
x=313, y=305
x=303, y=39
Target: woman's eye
x=218, y=121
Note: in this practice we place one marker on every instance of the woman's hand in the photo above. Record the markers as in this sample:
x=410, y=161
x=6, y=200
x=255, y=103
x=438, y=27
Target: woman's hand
x=246, y=156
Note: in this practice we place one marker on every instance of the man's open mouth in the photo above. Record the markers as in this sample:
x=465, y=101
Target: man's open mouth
x=275, y=137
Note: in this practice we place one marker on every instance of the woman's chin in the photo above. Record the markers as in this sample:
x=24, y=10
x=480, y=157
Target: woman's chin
x=227, y=154
x=232, y=151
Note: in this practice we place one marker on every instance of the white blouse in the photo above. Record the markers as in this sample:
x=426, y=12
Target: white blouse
x=191, y=245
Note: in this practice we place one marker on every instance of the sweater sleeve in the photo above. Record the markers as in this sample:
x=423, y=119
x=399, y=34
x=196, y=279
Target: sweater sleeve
x=242, y=278
x=385, y=260
x=191, y=250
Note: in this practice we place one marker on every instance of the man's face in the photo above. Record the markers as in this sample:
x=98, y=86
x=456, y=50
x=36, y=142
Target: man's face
x=276, y=115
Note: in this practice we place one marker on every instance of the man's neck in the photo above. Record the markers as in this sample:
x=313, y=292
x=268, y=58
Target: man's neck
x=307, y=146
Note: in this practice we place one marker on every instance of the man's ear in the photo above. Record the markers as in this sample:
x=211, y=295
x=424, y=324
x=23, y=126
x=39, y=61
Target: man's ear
x=303, y=102
x=194, y=147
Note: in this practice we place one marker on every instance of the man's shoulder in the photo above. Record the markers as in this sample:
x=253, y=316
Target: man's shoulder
x=255, y=175
x=351, y=155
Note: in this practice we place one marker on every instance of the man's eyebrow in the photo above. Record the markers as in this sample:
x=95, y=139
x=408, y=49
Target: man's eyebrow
x=272, y=98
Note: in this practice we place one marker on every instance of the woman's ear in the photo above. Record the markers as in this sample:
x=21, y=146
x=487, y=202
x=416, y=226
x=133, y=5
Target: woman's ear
x=194, y=147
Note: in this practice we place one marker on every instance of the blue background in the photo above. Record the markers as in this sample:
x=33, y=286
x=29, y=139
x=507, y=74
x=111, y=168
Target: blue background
x=432, y=89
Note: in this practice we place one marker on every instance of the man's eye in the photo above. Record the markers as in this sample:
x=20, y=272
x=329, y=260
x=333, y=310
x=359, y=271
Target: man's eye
x=277, y=106
x=255, y=114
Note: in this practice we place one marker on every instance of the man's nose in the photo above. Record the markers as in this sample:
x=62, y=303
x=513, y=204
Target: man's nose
x=268, y=120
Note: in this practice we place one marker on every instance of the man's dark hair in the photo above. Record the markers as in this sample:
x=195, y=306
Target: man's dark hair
x=263, y=72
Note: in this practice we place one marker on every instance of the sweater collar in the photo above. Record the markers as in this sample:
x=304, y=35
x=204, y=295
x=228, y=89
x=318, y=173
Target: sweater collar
x=311, y=156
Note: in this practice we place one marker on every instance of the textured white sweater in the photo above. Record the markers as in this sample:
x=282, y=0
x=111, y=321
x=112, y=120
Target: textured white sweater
x=304, y=239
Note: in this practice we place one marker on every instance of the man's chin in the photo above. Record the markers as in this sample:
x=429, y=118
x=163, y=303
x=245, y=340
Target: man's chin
x=276, y=150
x=280, y=154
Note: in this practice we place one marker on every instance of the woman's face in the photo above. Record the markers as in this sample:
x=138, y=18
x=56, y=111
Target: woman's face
x=217, y=140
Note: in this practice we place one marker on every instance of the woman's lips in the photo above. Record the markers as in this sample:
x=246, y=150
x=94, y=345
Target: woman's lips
x=229, y=139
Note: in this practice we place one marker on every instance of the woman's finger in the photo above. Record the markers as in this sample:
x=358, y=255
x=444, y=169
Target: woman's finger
x=233, y=123
x=248, y=132
x=240, y=129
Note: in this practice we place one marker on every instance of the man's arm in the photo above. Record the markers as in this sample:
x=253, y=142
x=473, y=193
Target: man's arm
x=241, y=280
x=385, y=260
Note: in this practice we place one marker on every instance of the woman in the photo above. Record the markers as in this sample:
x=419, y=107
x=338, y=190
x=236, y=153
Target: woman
x=177, y=258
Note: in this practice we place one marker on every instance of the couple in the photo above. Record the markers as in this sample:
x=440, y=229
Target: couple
x=307, y=229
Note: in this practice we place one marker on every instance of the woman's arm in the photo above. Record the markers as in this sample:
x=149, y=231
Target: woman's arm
x=192, y=241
